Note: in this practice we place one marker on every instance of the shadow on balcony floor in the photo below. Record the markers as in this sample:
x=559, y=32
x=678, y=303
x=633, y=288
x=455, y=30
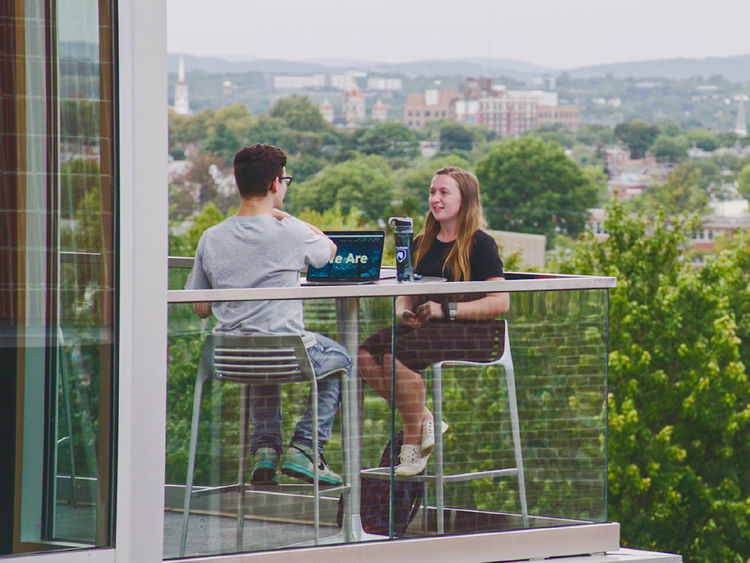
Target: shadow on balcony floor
x=210, y=534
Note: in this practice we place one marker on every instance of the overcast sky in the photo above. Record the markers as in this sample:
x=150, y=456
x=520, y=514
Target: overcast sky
x=554, y=33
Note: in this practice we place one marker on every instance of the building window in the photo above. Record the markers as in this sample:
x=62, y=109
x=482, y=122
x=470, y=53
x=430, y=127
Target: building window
x=58, y=306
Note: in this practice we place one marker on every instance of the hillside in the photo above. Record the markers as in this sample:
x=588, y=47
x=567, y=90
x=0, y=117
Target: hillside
x=734, y=68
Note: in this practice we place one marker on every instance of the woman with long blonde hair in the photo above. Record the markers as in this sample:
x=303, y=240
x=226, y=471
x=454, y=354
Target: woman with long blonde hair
x=434, y=328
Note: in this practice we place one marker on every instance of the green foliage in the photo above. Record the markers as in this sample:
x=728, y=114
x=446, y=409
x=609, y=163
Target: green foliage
x=598, y=179
x=270, y=130
x=637, y=136
x=222, y=141
x=594, y=134
x=185, y=243
x=185, y=129
x=530, y=186
x=669, y=149
x=389, y=140
x=679, y=411
x=275, y=131
x=77, y=178
x=79, y=119
x=333, y=219
x=300, y=114
x=703, y=139
x=304, y=166
x=554, y=133
x=456, y=136
x=668, y=126
x=743, y=182
x=687, y=189
x=236, y=117
x=366, y=183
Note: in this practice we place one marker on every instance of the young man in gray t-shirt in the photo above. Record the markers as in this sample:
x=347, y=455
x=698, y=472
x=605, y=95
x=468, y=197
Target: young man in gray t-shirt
x=262, y=246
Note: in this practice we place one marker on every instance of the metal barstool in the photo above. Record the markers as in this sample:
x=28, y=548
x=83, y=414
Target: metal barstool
x=252, y=360
x=503, y=359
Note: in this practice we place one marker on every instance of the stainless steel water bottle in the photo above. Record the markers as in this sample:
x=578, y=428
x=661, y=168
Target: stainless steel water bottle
x=403, y=231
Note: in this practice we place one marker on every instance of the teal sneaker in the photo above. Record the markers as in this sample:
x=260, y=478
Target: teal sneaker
x=265, y=463
x=298, y=463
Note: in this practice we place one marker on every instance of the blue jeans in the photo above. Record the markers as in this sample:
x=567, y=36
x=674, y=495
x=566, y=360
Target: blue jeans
x=325, y=356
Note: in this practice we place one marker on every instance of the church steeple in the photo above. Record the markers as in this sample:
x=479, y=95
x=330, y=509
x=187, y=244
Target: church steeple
x=740, y=127
x=181, y=96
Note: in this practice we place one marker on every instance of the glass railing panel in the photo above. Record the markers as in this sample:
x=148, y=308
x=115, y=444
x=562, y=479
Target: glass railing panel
x=558, y=344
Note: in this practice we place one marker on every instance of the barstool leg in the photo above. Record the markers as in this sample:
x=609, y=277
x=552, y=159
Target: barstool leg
x=242, y=463
x=197, y=398
x=437, y=408
x=513, y=407
x=349, y=472
x=316, y=458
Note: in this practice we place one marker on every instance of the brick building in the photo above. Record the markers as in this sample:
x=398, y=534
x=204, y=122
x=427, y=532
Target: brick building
x=566, y=115
x=507, y=112
x=430, y=106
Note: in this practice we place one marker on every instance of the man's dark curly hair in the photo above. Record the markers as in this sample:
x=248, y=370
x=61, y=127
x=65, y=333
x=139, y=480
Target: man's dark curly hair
x=256, y=167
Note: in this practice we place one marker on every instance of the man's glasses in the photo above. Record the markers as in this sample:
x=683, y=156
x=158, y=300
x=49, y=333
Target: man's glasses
x=287, y=179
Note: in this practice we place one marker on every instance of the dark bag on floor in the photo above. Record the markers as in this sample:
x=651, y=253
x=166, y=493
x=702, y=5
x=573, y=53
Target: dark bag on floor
x=375, y=495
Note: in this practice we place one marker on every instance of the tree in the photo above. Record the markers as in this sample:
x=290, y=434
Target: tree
x=678, y=406
x=594, y=135
x=743, y=182
x=389, y=140
x=200, y=175
x=365, y=183
x=530, y=186
x=185, y=129
x=304, y=167
x=455, y=136
x=236, y=117
x=637, y=136
x=185, y=243
x=686, y=189
x=703, y=139
x=271, y=130
x=223, y=141
x=554, y=132
x=669, y=126
x=300, y=114
x=668, y=149
x=598, y=178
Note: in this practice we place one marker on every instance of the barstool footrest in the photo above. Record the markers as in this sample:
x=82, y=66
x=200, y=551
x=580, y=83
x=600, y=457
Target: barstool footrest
x=383, y=473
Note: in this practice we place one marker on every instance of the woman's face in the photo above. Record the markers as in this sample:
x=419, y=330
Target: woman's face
x=445, y=198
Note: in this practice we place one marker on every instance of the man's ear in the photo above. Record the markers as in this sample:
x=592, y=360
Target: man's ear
x=272, y=188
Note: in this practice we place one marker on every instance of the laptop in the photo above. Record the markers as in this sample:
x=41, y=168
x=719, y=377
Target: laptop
x=357, y=260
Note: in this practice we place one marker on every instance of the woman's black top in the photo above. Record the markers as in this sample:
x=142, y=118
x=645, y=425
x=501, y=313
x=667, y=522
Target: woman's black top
x=443, y=339
x=484, y=258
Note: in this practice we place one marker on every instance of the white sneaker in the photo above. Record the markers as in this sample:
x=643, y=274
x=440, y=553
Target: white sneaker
x=428, y=434
x=412, y=462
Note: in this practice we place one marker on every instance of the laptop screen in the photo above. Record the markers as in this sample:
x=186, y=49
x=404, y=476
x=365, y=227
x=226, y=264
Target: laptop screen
x=358, y=257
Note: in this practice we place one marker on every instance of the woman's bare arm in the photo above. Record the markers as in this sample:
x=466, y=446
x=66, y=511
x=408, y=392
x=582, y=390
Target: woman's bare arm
x=488, y=307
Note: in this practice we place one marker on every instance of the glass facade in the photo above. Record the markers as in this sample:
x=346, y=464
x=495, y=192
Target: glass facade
x=558, y=341
x=58, y=283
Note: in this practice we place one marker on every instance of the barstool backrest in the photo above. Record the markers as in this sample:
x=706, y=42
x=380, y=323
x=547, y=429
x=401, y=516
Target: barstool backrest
x=260, y=359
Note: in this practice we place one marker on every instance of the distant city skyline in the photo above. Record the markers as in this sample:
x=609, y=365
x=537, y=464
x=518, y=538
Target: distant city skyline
x=549, y=33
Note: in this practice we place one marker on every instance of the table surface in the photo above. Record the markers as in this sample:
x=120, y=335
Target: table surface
x=390, y=287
